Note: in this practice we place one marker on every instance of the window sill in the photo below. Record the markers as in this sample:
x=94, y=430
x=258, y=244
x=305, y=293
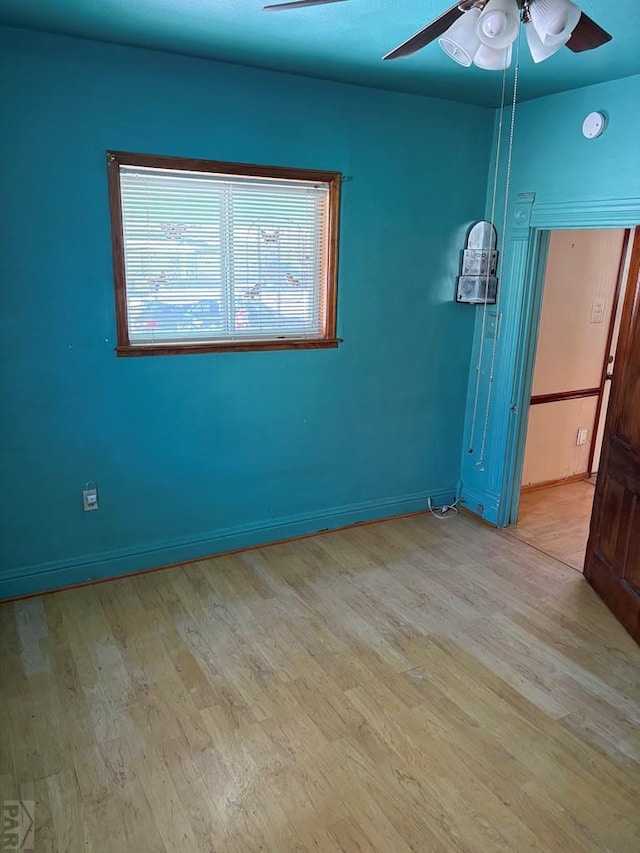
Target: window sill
x=226, y=346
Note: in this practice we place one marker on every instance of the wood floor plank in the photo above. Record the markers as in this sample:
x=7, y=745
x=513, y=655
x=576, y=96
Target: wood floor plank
x=556, y=520
x=412, y=685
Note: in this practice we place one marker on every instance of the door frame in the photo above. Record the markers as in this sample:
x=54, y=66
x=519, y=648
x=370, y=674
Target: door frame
x=618, y=299
x=525, y=268
x=581, y=393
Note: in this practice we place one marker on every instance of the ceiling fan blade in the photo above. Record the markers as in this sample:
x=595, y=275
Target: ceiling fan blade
x=587, y=35
x=428, y=34
x=297, y=4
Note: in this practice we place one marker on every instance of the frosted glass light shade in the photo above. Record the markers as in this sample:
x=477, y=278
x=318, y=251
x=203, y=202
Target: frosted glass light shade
x=554, y=20
x=498, y=23
x=461, y=41
x=538, y=50
x=491, y=59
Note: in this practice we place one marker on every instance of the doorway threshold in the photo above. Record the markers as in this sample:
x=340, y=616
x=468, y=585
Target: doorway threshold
x=556, y=521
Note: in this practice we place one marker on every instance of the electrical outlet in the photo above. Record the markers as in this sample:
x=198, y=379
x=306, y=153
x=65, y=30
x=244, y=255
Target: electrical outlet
x=90, y=498
x=582, y=436
x=597, y=312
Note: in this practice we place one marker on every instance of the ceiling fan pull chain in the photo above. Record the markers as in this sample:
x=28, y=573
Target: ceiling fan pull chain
x=496, y=171
x=507, y=188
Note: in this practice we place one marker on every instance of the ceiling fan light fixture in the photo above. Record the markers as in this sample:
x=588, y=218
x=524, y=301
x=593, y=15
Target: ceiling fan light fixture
x=498, y=23
x=461, y=42
x=490, y=59
x=538, y=49
x=554, y=20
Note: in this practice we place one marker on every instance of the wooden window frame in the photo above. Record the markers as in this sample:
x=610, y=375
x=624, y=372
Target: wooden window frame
x=124, y=347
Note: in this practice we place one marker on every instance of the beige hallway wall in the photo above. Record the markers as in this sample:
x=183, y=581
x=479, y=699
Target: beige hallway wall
x=579, y=291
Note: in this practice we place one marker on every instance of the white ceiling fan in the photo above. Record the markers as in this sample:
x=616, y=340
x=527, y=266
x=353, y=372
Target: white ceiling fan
x=482, y=32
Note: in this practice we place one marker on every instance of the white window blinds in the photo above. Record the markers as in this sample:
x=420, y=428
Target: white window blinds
x=214, y=257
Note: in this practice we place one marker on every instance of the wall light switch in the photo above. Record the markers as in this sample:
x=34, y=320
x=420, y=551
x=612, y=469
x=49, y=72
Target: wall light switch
x=597, y=312
x=582, y=436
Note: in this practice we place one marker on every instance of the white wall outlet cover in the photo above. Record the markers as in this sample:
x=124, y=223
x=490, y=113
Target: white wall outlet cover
x=90, y=499
x=594, y=125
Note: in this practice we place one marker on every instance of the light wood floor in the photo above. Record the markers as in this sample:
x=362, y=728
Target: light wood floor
x=556, y=520
x=414, y=685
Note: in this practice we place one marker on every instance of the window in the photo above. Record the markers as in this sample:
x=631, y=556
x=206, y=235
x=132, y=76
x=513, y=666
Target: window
x=222, y=256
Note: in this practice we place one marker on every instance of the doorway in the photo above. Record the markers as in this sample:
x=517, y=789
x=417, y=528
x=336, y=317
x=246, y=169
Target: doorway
x=577, y=336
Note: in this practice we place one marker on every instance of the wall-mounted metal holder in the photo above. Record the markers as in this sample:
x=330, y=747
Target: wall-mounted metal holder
x=478, y=283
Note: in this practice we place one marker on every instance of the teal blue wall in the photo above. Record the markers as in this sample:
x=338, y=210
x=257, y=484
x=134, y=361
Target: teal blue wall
x=201, y=453
x=554, y=161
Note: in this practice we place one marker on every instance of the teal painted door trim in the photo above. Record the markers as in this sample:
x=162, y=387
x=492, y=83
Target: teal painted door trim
x=538, y=241
x=528, y=245
x=513, y=336
x=602, y=213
